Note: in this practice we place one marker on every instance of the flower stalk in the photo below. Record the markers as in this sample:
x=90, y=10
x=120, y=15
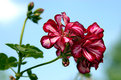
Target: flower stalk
x=20, y=54
x=22, y=32
x=42, y=64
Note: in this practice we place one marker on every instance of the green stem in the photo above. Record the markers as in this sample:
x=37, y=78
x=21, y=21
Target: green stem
x=22, y=32
x=20, y=61
x=13, y=70
x=20, y=55
x=41, y=64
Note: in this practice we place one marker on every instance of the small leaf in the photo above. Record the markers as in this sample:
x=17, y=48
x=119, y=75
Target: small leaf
x=11, y=46
x=23, y=63
x=35, y=20
x=3, y=61
x=11, y=61
x=6, y=63
x=27, y=50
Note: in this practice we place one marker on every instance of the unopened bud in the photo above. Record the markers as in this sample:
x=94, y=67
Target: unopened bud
x=65, y=62
x=39, y=10
x=12, y=78
x=36, y=15
x=30, y=6
x=34, y=76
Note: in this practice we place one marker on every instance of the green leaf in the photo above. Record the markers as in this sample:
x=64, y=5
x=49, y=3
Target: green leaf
x=27, y=50
x=12, y=46
x=6, y=63
x=23, y=63
x=11, y=61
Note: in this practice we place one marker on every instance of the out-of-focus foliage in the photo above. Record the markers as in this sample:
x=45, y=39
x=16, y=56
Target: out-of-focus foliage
x=80, y=76
x=114, y=71
x=3, y=75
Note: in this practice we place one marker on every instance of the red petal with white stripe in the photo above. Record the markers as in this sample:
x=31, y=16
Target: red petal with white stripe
x=66, y=19
x=45, y=41
x=76, y=51
x=77, y=30
x=95, y=29
x=88, y=55
x=97, y=48
x=82, y=69
x=60, y=44
x=53, y=40
x=58, y=18
x=50, y=26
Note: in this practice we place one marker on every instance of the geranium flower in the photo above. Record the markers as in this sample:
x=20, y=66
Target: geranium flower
x=91, y=47
x=72, y=39
x=59, y=37
x=83, y=65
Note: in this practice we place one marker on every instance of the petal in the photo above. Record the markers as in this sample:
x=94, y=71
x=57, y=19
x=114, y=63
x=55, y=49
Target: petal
x=66, y=39
x=58, y=52
x=77, y=30
x=56, y=46
x=75, y=59
x=71, y=43
x=95, y=65
x=82, y=27
x=60, y=44
x=87, y=42
x=97, y=48
x=53, y=40
x=50, y=26
x=91, y=37
x=76, y=51
x=68, y=26
x=88, y=55
x=45, y=41
x=52, y=34
x=95, y=29
x=66, y=19
x=58, y=18
x=82, y=69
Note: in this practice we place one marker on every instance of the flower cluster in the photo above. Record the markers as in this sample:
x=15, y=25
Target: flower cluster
x=72, y=39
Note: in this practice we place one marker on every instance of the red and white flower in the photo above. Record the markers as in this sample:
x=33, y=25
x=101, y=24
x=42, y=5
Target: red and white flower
x=86, y=45
x=91, y=47
x=57, y=36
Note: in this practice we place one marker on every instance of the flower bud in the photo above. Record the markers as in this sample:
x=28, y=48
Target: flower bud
x=65, y=62
x=34, y=77
x=30, y=6
x=12, y=78
x=36, y=15
x=39, y=10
